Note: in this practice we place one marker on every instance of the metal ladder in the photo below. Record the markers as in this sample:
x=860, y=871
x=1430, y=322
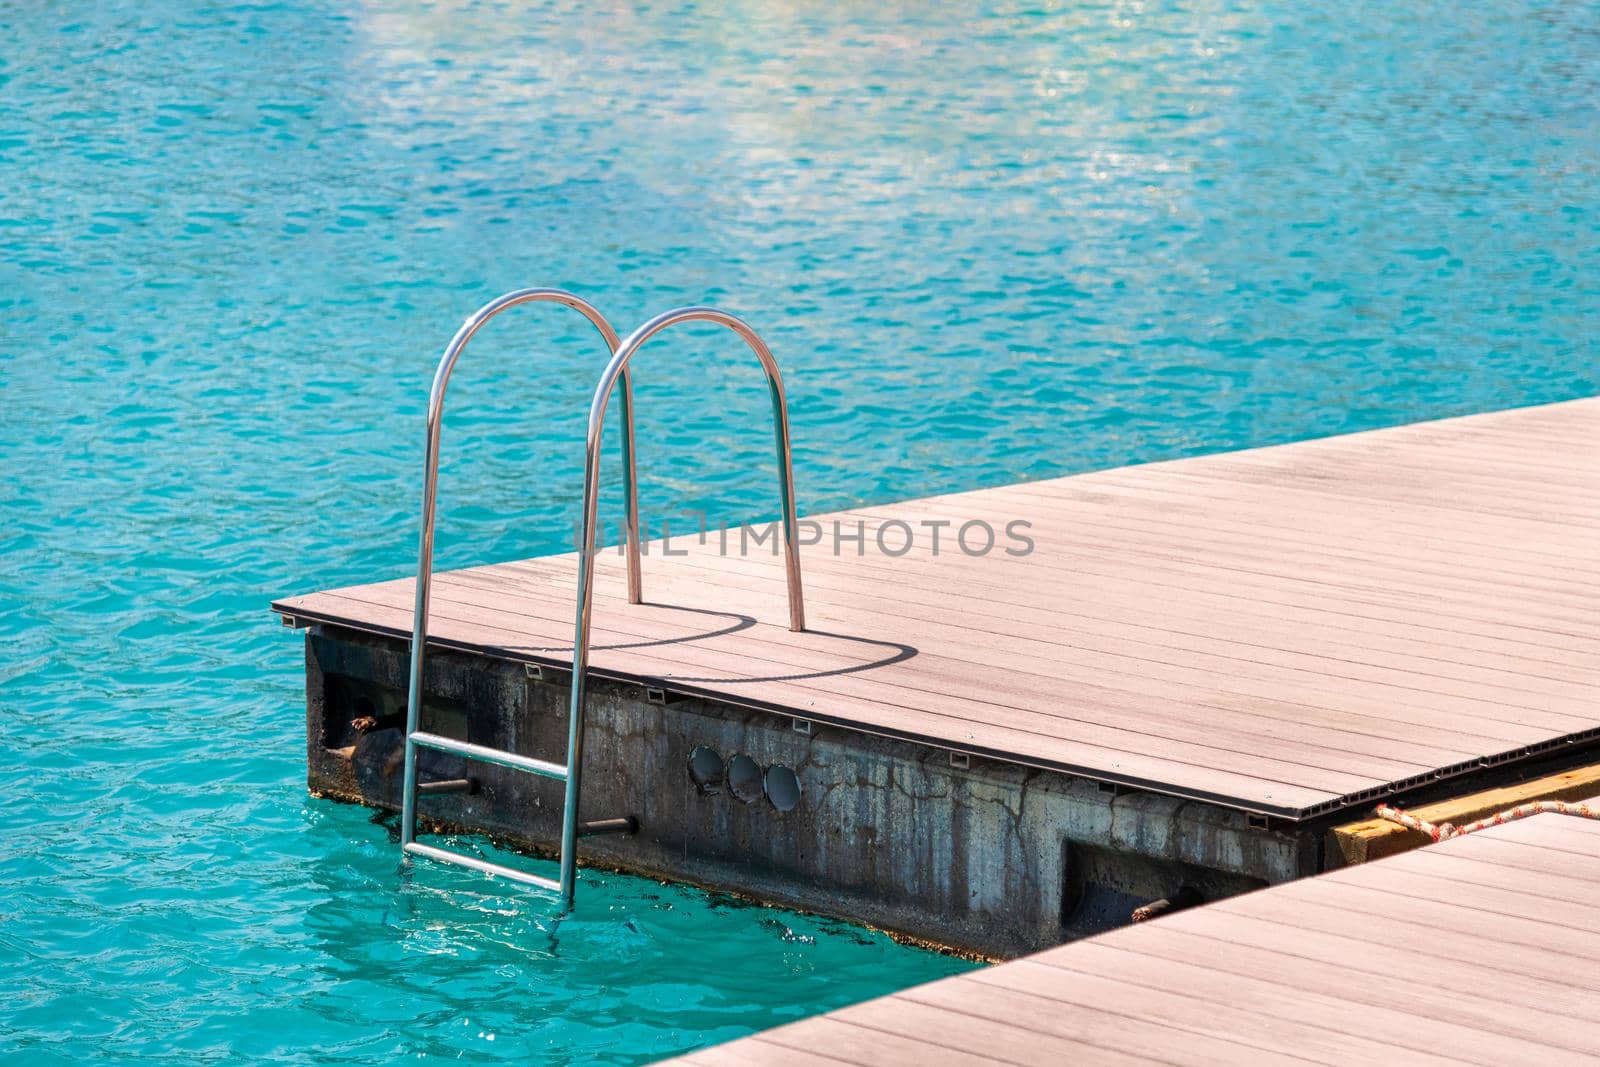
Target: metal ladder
x=570, y=772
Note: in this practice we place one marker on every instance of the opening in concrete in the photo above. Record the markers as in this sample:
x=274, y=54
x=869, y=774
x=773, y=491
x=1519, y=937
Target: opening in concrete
x=745, y=780
x=706, y=770
x=783, y=788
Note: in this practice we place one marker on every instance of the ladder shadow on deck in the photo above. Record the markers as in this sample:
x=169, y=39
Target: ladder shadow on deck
x=902, y=652
x=740, y=622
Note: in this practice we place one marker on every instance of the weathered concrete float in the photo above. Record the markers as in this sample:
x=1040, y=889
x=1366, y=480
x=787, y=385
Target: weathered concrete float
x=1185, y=678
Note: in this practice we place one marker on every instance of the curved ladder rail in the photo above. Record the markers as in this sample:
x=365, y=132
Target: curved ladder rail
x=570, y=773
x=415, y=738
x=591, y=491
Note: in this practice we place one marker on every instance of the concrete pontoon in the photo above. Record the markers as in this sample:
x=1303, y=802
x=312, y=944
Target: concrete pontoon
x=1198, y=668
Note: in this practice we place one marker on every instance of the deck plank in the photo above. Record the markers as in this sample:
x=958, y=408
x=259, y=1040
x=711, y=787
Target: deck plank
x=1290, y=973
x=1288, y=630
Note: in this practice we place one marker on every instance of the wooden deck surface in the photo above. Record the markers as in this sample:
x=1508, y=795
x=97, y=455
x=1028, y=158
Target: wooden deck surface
x=1287, y=630
x=1480, y=950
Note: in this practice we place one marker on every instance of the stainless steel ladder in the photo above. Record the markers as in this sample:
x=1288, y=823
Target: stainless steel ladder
x=570, y=772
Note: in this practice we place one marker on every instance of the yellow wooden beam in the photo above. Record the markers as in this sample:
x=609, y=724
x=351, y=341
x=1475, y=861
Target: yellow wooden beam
x=1371, y=839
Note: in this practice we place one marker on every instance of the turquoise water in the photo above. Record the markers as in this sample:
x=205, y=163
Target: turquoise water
x=985, y=247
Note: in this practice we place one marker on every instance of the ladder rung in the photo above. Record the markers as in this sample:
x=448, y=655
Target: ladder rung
x=490, y=755
x=445, y=856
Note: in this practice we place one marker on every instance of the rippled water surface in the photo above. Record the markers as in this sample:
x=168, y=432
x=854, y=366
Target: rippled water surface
x=986, y=246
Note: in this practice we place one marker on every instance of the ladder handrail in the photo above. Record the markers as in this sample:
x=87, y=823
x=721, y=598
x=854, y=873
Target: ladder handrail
x=622, y=351
x=618, y=367
x=430, y=480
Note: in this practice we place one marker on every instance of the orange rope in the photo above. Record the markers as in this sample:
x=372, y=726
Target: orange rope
x=1444, y=831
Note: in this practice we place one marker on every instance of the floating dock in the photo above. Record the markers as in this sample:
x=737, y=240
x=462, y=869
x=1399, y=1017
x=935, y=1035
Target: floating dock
x=1479, y=950
x=1164, y=677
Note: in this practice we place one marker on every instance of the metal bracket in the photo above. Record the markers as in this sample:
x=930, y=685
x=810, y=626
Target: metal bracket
x=660, y=694
x=627, y=824
x=448, y=785
x=540, y=672
x=961, y=761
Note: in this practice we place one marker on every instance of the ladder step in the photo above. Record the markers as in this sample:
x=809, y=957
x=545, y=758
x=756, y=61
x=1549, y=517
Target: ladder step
x=490, y=755
x=416, y=848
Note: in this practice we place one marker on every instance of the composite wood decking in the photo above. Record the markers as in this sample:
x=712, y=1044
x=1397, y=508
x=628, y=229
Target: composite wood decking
x=1480, y=950
x=1289, y=630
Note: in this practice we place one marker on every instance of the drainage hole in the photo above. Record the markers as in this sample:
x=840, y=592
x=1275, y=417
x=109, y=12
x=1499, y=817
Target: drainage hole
x=783, y=788
x=745, y=779
x=706, y=770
